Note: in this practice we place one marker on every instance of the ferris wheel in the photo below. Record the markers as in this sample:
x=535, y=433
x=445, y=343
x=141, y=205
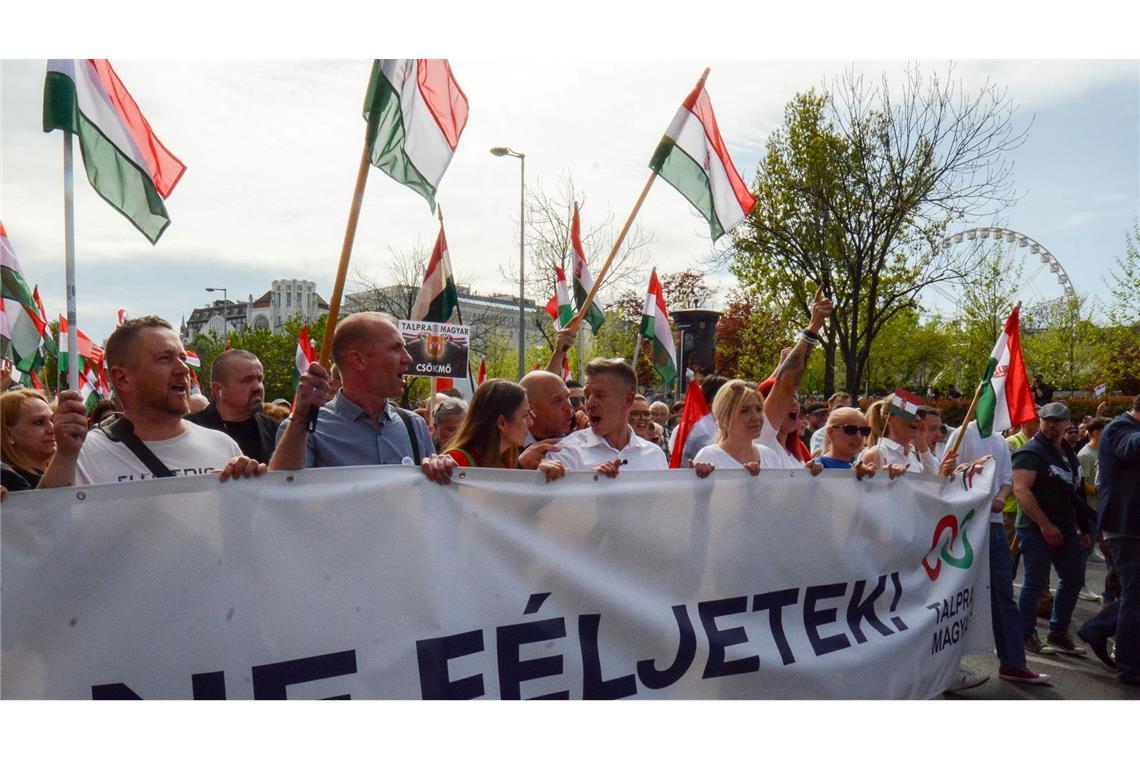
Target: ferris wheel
x=1044, y=279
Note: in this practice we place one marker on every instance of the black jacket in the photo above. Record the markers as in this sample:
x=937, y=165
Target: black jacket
x=1118, y=479
x=266, y=427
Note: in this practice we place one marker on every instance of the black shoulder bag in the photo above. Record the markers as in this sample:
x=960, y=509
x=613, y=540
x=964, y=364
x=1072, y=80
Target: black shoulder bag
x=120, y=430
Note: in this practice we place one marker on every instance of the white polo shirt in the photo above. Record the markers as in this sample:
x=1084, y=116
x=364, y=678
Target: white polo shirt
x=975, y=447
x=714, y=454
x=893, y=453
x=585, y=449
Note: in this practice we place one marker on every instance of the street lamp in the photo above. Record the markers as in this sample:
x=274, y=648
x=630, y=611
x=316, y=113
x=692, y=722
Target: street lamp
x=500, y=152
x=225, y=317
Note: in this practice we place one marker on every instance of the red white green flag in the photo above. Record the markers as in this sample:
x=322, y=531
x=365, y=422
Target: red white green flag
x=416, y=112
x=693, y=158
x=438, y=297
x=655, y=327
x=558, y=307
x=583, y=281
x=482, y=371
x=306, y=355
x=87, y=349
x=905, y=404
x=695, y=408
x=126, y=163
x=1006, y=398
x=19, y=334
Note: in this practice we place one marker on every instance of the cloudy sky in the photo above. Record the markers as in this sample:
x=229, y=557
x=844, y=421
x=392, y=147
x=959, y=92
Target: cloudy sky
x=272, y=145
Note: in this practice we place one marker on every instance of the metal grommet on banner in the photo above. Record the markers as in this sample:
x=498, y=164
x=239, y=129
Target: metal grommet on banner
x=289, y=479
x=81, y=495
x=462, y=474
x=595, y=477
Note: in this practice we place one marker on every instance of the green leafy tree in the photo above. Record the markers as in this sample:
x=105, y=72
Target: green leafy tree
x=855, y=192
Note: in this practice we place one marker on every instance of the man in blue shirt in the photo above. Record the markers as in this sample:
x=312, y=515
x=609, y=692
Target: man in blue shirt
x=359, y=426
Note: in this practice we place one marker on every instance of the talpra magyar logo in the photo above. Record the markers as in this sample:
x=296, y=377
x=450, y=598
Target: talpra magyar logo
x=949, y=523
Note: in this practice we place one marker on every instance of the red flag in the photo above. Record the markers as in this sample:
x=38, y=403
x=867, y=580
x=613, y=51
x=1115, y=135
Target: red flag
x=482, y=371
x=442, y=384
x=695, y=408
x=565, y=369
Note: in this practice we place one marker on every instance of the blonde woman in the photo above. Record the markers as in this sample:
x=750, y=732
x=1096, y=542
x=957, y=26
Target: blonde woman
x=27, y=438
x=739, y=413
x=891, y=445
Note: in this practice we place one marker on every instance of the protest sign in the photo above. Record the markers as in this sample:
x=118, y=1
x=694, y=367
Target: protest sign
x=438, y=349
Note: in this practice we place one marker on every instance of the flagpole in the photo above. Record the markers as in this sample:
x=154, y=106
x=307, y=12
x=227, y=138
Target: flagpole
x=625, y=229
x=345, y=254
x=953, y=451
x=69, y=264
x=577, y=320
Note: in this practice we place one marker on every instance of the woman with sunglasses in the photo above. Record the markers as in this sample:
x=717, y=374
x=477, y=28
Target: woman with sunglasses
x=845, y=433
x=495, y=430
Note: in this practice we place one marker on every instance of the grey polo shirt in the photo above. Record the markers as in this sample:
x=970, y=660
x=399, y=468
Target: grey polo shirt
x=346, y=436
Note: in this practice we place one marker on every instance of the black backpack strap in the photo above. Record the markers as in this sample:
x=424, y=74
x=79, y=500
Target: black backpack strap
x=120, y=430
x=406, y=416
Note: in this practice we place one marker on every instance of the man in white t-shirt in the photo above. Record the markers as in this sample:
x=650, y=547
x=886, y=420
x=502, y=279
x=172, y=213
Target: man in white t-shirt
x=147, y=365
x=1005, y=618
x=609, y=444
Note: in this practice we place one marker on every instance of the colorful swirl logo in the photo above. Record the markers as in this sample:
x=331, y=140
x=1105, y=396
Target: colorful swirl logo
x=949, y=523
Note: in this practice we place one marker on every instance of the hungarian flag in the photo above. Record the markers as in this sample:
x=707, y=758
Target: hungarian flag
x=583, y=282
x=40, y=317
x=123, y=316
x=565, y=368
x=558, y=307
x=193, y=360
x=125, y=161
x=19, y=333
x=416, y=113
x=1006, y=399
x=905, y=404
x=93, y=385
x=482, y=371
x=438, y=297
x=86, y=349
x=306, y=355
x=693, y=158
x=655, y=328
x=695, y=408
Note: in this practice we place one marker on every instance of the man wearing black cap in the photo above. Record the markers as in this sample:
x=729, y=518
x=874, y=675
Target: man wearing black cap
x=816, y=416
x=1052, y=526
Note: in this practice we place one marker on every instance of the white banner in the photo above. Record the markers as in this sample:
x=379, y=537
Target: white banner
x=371, y=582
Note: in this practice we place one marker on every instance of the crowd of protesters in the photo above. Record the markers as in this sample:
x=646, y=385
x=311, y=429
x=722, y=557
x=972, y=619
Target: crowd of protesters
x=1062, y=490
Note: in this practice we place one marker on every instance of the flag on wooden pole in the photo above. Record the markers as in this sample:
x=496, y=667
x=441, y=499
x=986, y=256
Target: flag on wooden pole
x=905, y=404
x=126, y=163
x=1006, y=398
x=416, y=113
x=438, y=296
x=693, y=158
x=558, y=307
x=583, y=282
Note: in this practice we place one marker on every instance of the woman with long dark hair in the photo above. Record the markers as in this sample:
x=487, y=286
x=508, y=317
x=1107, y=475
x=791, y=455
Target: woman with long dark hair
x=495, y=429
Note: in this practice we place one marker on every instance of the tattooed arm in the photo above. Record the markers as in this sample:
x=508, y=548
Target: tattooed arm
x=791, y=370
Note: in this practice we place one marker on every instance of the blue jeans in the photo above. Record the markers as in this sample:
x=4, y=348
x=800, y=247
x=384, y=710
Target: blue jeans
x=1003, y=612
x=1037, y=556
x=1121, y=618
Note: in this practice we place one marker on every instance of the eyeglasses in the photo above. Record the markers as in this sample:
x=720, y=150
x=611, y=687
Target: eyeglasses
x=640, y=415
x=864, y=430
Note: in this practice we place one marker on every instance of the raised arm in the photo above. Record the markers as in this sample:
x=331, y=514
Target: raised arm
x=791, y=369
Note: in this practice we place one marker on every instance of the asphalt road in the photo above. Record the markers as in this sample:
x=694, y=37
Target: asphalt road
x=1069, y=677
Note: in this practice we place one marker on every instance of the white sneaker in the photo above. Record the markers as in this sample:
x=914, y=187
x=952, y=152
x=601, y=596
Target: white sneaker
x=966, y=679
x=1089, y=596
